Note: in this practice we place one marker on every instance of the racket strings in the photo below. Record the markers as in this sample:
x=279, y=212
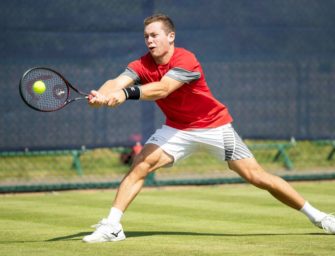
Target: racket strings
x=53, y=97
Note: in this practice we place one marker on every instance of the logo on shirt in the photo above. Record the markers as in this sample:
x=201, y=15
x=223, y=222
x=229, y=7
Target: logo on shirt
x=153, y=138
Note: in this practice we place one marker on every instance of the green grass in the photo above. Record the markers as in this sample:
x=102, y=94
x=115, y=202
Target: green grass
x=218, y=220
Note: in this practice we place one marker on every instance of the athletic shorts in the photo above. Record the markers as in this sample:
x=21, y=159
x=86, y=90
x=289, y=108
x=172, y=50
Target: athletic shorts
x=222, y=141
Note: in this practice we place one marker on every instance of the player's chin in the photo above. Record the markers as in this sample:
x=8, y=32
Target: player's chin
x=156, y=55
x=153, y=51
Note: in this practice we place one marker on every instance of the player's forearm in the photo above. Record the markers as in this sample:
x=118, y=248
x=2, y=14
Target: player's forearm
x=109, y=86
x=154, y=91
x=109, y=93
x=116, y=84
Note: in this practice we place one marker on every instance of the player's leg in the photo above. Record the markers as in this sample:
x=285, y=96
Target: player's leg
x=149, y=159
x=242, y=161
x=251, y=171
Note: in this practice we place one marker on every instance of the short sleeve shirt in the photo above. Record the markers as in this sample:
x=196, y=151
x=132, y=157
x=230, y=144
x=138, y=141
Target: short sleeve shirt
x=191, y=106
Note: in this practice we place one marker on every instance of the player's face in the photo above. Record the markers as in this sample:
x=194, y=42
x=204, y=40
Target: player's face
x=159, y=43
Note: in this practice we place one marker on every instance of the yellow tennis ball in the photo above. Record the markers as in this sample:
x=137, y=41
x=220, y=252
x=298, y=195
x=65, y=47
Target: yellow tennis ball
x=39, y=87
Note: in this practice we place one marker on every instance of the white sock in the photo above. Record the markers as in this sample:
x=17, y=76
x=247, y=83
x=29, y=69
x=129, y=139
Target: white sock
x=312, y=213
x=114, y=216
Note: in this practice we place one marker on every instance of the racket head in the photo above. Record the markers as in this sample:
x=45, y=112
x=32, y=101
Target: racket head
x=56, y=93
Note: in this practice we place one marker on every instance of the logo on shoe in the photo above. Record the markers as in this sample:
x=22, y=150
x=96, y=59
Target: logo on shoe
x=116, y=234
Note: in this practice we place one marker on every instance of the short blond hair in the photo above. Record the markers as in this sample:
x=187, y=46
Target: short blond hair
x=166, y=21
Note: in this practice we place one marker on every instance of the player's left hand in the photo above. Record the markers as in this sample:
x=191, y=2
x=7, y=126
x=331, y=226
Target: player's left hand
x=116, y=98
x=96, y=99
x=113, y=99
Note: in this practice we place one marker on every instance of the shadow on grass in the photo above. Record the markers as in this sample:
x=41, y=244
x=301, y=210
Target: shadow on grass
x=131, y=234
x=134, y=234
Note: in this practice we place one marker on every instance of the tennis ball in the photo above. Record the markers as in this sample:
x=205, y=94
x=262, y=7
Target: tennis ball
x=39, y=87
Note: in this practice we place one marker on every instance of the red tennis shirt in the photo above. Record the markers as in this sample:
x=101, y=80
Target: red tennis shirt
x=192, y=106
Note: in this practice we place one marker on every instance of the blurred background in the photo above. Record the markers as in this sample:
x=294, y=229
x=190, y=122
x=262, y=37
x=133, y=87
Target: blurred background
x=271, y=62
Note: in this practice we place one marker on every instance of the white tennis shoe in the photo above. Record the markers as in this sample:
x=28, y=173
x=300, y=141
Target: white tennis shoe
x=327, y=223
x=105, y=232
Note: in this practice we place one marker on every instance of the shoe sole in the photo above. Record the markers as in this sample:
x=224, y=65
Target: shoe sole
x=117, y=239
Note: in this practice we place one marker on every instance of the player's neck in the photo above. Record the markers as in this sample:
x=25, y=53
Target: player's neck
x=164, y=59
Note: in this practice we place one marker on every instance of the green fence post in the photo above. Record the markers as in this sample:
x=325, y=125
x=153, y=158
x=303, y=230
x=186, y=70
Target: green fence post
x=332, y=152
x=76, y=162
x=281, y=152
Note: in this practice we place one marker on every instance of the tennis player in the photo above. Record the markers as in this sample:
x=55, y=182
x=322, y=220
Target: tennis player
x=174, y=79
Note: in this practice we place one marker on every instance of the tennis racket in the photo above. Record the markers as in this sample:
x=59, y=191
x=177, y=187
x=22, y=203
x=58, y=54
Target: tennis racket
x=46, y=90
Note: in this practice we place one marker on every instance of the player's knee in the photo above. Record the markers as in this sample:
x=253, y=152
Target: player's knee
x=259, y=179
x=153, y=158
x=145, y=161
x=143, y=164
x=139, y=172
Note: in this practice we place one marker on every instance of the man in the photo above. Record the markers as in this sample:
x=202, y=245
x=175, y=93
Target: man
x=174, y=79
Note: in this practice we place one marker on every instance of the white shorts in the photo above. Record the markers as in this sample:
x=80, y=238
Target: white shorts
x=222, y=141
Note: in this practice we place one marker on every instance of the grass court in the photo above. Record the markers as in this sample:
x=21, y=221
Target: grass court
x=206, y=220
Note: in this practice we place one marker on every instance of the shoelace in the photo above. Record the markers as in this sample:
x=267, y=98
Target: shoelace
x=328, y=222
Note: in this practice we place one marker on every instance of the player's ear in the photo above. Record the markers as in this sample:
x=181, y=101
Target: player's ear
x=171, y=37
